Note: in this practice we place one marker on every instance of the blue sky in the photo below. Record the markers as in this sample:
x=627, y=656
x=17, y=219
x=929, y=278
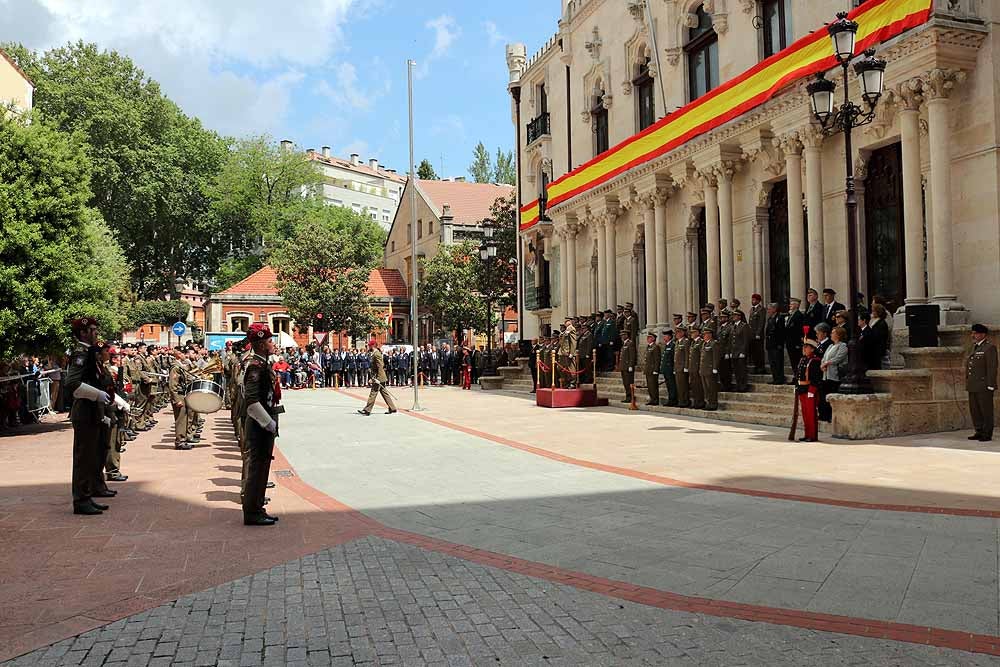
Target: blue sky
x=319, y=72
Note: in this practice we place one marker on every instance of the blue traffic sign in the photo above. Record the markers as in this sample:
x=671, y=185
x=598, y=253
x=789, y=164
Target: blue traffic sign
x=179, y=329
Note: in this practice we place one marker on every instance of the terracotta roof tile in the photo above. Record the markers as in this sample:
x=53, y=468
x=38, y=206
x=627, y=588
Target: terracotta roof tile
x=387, y=282
x=360, y=168
x=470, y=202
x=260, y=283
x=381, y=283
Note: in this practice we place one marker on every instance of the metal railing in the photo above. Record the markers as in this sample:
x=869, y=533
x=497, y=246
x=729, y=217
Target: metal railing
x=539, y=127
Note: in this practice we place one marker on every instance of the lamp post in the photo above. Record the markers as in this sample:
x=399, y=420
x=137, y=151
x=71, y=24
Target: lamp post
x=871, y=74
x=488, y=255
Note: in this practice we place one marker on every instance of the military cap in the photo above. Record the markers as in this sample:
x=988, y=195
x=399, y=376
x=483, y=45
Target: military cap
x=704, y=310
x=690, y=314
x=830, y=291
x=81, y=323
x=738, y=312
x=609, y=312
x=668, y=332
x=980, y=328
x=708, y=329
x=677, y=315
x=810, y=342
x=628, y=304
x=725, y=313
x=258, y=331
x=756, y=296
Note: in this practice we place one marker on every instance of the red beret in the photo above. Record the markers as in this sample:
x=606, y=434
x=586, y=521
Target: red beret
x=82, y=323
x=756, y=296
x=258, y=331
x=372, y=342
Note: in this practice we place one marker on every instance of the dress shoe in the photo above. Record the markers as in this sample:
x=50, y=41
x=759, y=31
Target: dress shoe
x=391, y=412
x=807, y=439
x=106, y=493
x=270, y=516
x=985, y=438
x=269, y=485
x=651, y=403
x=258, y=521
x=98, y=506
x=86, y=509
x=362, y=412
x=974, y=437
x=626, y=400
x=117, y=477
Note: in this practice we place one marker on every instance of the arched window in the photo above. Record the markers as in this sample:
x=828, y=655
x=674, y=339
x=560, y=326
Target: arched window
x=702, y=52
x=644, y=99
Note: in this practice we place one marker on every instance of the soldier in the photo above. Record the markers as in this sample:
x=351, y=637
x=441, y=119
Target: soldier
x=378, y=382
x=667, y=367
x=628, y=360
x=567, y=354
x=692, y=321
x=533, y=358
x=740, y=341
x=795, y=322
x=774, y=343
x=725, y=336
x=631, y=322
x=118, y=414
x=175, y=387
x=678, y=320
x=584, y=351
x=682, y=351
x=86, y=415
x=606, y=342
x=709, y=369
x=757, y=322
x=707, y=320
x=981, y=383
x=143, y=400
x=651, y=368
x=808, y=377
x=260, y=417
x=695, y=386
x=734, y=306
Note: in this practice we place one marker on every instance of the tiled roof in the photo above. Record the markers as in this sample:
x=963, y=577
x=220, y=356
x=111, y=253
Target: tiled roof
x=361, y=168
x=381, y=283
x=470, y=202
x=14, y=65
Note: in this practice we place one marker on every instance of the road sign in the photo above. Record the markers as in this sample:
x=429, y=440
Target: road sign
x=179, y=329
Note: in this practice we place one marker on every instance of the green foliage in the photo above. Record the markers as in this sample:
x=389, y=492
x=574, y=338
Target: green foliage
x=323, y=267
x=58, y=260
x=157, y=312
x=234, y=269
x=498, y=279
x=447, y=289
x=481, y=168
x=505, y=169
x=425, y=171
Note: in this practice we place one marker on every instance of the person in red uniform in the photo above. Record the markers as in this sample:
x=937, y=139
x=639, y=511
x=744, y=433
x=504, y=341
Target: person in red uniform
x=808, y=377
x=466, y=369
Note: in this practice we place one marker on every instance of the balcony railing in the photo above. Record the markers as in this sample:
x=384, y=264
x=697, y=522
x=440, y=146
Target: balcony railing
x=538, y=128
x=536, y=298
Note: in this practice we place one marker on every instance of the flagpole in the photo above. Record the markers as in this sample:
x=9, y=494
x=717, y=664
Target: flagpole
x=414, y=322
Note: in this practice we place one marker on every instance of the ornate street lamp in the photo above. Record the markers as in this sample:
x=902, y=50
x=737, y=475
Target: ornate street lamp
x=488, y=255
x=871, y=76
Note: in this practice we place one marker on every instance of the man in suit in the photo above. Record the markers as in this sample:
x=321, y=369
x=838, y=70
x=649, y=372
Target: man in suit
x=378, y=382
x=477, y=363
x=795, y=321
x=757, y=322
x=830, y=306
x=981, y=383
x=651, y=369
x=774, y=343
x=868, y=346
x=667, y=367
x=628, y=360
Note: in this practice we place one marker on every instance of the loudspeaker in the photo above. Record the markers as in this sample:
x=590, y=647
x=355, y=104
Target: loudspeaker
x=922, y=322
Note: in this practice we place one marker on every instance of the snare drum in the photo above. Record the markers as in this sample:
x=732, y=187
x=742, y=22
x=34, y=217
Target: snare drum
x=204, y=396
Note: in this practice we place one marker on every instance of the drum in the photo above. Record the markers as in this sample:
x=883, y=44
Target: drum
x=204, y=396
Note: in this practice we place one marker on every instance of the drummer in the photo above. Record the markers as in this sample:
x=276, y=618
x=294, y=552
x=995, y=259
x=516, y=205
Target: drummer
x=176, y=381
x=195, y=420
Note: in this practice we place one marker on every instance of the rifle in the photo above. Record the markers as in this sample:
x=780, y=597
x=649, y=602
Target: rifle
x=795, y=418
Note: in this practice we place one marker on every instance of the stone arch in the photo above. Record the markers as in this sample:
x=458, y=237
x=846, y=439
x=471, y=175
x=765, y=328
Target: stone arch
x=637, y=50
x=595, y=82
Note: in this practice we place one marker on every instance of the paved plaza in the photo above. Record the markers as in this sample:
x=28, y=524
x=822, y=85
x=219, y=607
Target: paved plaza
x=485, y=530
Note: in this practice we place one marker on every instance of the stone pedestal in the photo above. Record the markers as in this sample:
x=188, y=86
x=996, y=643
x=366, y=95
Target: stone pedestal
x=861, y=416
x=488, y=382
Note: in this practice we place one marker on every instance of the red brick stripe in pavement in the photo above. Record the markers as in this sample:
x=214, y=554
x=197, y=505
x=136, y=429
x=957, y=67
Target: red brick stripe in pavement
x=863, y=627
x=670, y=481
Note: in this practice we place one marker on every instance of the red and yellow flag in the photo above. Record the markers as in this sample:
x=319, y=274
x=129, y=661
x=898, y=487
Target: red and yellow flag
x=878, y=21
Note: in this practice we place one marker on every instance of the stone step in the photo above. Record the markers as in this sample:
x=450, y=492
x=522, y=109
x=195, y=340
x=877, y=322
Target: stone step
x=781, y=408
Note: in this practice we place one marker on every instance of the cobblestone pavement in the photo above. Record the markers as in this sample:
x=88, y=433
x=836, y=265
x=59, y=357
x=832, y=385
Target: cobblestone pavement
x=379, y=602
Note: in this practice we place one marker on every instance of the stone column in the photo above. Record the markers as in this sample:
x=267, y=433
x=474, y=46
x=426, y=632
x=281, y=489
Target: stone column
x=611, y=257
x=712, y=236
x=571, y=268
x=602, y=263
x=650, y=245
x=727, y=264
x=812, y=140
x=689, y=278
x=792, y=148
x=758, y=257
x=662, y=288
x=938, y=85
x=911, y=97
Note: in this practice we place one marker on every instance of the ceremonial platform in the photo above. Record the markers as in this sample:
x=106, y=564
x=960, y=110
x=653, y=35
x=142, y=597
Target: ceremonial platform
x=569, y=398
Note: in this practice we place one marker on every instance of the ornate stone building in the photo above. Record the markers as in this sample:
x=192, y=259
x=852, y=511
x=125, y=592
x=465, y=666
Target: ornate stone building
x=757, y=204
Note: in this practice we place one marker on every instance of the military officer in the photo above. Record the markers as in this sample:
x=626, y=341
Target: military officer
x=706, y=319
x=378, y=381
x=651, y=368
x=741, y=339
x=628, y=360
x=678, y=320
x=757, y=322
x=692, y=320
x=585, y=350
x=981, y=383
x=734, y=306
x=667, y=367
x=682, y=352
x=709, y=369
x=631, y=322
x=606, y=337
x=567, y=354
x=725, y=336
x=260, y=417
x=696, y=388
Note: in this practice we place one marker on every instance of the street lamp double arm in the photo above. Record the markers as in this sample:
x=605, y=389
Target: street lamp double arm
x=488, y=255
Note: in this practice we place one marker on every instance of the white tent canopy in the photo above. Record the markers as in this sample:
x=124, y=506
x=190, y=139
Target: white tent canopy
x=285, y=340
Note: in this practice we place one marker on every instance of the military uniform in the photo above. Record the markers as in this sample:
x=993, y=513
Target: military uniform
x=86, y=416
x=758, y=322
x=585, y=351
x=667, y=370
x=682, y=352
x=630, y=322
x=741, y=339
x=694, y=371
x=981, y=383
x=567, y=355
x=259, y=386
x=378, y=381
x=175, y=387
x=709, y=372
x=725, y=336
x=628, y=360
x=651, y=369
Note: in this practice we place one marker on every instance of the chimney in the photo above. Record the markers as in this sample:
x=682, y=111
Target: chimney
x=460, y=179
x=373, y=163
x=286, y=144
x=326, y=151
x=446, y=212
x=310, y=151
x=355, y=159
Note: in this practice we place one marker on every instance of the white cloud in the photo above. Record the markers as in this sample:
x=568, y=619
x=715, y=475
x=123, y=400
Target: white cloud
x=357, y=146
x=493, y=33
x=446, y=32
x=346, y=92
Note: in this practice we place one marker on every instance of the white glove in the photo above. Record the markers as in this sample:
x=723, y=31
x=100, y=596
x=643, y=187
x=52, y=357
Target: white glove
x=992, y=388
x=92, y=394
x=811, y=395
x=121, y=403
x=257, y=412
x=630, y=369
x=106, y=420
x=715, y=371
x=742, y=356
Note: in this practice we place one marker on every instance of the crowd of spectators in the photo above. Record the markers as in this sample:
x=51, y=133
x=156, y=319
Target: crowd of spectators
x=29, y=386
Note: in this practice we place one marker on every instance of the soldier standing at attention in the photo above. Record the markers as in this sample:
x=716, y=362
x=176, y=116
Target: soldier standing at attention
x=651, y=368
x=567, y=354
x=262, y=393
x=709, y=369
x=758, y=321
x=585, y=350
x=176, y=383
x=981, y=383
x=682, y=350
x=795, y=322
x=725, y=336
x=667, y=367
x=86, y=415
x=378, y=381
x=631, y=322
x=678, y=320
x=694, y=370
x=741, y=339
x=628, y=359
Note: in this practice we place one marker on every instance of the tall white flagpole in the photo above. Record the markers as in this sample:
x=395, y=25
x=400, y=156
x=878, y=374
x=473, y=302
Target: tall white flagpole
x=414, y=321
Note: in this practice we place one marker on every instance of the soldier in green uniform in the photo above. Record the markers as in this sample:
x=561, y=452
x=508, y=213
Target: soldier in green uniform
x=143, y=405
x=628, y=359
x=176, y=383
x=651, y=368
x=725, y=337
x=694, y=370
x=631, y=322
x=981, y=383
x=260, y=424
x=378, y=381
x=585, y=350
x=86, y=415
x=606, y=337
x=667, y=367
x=758, y=322
x=567, y=354
x=682, y=351
x=708, y=320
x=678, y=320
x=741, y=338
x=709, y=369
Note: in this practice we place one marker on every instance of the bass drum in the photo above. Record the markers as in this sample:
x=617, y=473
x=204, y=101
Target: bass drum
x=204, y=396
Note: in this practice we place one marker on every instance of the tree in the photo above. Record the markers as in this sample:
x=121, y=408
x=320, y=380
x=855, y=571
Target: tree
x=481, y=168
x=448, y=287
x=323, y=267
x=150, y=163
x=498, y=279
x=425, y=171
x=58, y=260
x=505, y=169
x=157, y=312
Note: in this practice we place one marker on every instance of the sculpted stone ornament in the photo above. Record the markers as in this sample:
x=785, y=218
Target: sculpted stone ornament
x=593, y=45
x=938, y=83
x=626, y=87
x=637, y=8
